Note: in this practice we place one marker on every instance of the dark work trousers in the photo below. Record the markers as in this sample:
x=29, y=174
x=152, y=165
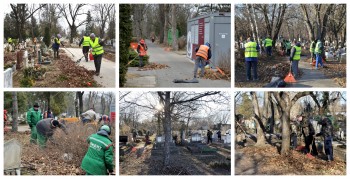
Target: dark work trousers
x=269, y=50
x=293, y=141
x=328, y=148
x=210, y=140
x=295, y=66
x=55, y=52
x=309, y=141
x=251, y=65
x=199, y=61
x=85, y=52
x=140, y=61
x=288, y=52
x=97, y=62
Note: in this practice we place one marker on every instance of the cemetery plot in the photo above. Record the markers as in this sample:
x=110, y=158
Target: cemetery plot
x=198, y=144
x=290, y=133
x=42, y=53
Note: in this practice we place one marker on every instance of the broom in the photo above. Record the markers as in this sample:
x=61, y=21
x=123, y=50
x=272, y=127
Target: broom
x=290, y=78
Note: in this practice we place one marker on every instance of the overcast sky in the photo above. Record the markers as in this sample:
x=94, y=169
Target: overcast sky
x=62, y=21
x=147, y=99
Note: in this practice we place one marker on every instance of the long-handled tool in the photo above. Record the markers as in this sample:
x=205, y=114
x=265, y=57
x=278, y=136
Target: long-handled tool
x=290, y=78
x=69, y=51
x=79, y=60
x=217, y=68
x=131, y=61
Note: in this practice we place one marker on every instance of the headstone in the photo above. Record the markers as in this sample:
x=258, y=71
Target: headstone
x=227, y=139
x=13, y=151
x=25, y=59
x=8, y=78
x=196, y=137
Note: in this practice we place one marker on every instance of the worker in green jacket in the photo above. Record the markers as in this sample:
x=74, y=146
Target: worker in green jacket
x=46, y=129
x=99, y=159
x=34, y=115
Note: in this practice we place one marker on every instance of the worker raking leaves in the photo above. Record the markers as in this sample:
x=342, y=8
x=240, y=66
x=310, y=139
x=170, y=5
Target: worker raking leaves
x=203, y=54
x=46, y=129
x=99, y=159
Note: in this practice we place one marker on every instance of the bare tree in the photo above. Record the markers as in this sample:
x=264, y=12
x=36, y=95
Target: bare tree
x=21, y=13
x=71, y=14
x=173, y=27
x=15, y=112
x=103, y=13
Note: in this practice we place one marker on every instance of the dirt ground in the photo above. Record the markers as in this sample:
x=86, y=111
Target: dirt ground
x=268, y=67
x=61, y=157
x=267, y=161
x=62, y=72
x=143, y=161
x=336, y=71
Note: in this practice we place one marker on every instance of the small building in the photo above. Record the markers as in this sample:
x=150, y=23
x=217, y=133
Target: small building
x=214, y=28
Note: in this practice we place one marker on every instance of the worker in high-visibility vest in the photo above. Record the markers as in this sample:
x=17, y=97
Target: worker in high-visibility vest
x=318, y=53
x=142, y=51
x=85, y=41
x=203, y=54
x=251, y=51
x=96, y=45
x=56, y=46
x=295, y=57
x=312, y=49
x=268, y=46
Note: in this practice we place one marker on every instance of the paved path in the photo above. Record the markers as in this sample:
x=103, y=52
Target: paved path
x=312, y=78
x=180, y=68
x=107, y=72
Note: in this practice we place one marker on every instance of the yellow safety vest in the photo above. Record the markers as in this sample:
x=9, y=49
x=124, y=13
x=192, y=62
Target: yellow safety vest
x=268, y=42
x=318, y=48
x=203, y=52
x=250, y=50
x=9, y=40
x=297, y=53
x=86, y=41
x=58, y=41
x=312, y=50
x=97, y=49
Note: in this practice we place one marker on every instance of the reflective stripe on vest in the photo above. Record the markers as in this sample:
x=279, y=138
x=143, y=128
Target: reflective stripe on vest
x=142, y=51
x=97, y=49
x=203, y=51
x=311, y=47
x=318, y=48
x=268, y=42
x=86, y=41
x=297, y=53
x=58, y=41
x=250, y=50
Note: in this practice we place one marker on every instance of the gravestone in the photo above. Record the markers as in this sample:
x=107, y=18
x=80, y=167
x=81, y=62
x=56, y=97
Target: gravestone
x=196, y=137
x=8, y=79
x=12, y=159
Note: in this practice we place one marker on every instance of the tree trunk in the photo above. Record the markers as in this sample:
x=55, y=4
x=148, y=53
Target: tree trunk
x=285, y=131
x=165, y=28
x=167, y=130
x=261, y=140
x=250, y=18
x=81, y=105
x=76, y=104
x=15, y=112
x=307, y=21
x=162, y=22
x=173, y=28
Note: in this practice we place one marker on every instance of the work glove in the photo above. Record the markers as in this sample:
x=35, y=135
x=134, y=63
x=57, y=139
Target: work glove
x=319, y=134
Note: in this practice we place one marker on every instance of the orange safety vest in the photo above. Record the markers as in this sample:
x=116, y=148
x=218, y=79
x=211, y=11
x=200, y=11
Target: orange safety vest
x=203, y=52
x=143, y=52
